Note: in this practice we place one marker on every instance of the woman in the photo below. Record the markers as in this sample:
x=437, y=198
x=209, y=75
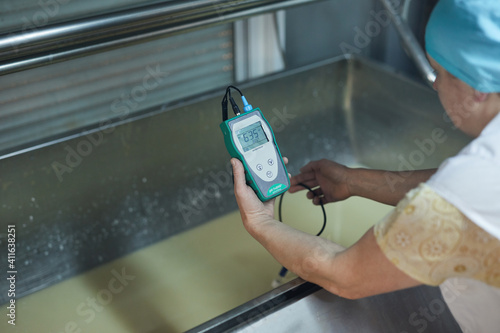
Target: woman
x=447, y=221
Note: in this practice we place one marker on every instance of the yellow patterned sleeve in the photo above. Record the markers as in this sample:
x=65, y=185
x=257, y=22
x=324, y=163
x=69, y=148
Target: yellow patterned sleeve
x=431, y=240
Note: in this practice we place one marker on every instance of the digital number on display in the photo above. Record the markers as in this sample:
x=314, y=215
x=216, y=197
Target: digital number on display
x=252, y=136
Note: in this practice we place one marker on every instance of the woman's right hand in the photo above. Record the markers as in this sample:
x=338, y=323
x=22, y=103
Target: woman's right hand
x=332, y=179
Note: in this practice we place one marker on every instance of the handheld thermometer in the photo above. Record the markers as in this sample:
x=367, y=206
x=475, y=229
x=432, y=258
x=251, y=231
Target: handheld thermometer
x=249, y=138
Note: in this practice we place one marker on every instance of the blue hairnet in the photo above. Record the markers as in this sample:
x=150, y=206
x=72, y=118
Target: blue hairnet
x=463, y=36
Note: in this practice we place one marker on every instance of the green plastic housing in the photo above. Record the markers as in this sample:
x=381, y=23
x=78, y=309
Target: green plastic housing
x=275, y=189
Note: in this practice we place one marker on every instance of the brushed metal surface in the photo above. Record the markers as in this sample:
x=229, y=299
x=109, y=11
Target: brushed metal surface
x=164, y=172
x=300, y=307
x=24, y=50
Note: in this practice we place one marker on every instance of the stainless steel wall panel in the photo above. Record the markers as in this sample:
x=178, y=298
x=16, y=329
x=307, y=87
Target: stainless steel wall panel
x=80, y=94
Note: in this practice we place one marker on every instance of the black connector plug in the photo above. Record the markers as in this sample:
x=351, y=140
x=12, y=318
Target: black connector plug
x=235, y=107
x=224, y=109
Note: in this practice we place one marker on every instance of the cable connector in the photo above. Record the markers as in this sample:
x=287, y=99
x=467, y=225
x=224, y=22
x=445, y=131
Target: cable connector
x=278, y=281
x=246, y=107
x=224, y=108
x=235, y=107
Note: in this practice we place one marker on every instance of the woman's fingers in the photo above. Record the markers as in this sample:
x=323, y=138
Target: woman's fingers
x=315, y=193
x=297, y=187
x=239, y=177
x=251, y=208
x=305, y=178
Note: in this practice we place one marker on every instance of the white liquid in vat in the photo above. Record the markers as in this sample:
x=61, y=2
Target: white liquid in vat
x=185, y=280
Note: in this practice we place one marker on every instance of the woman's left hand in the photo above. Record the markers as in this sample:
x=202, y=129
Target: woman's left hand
x=253, y=211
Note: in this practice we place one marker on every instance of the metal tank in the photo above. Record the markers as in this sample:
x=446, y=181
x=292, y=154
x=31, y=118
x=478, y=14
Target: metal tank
x=153, y=175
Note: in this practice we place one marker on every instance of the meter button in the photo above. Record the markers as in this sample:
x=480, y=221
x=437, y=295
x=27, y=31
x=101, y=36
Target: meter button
x=269, y=174
x=270, y=162
x=259, y=167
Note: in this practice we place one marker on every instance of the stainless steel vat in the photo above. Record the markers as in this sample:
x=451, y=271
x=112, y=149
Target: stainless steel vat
x=81, y=201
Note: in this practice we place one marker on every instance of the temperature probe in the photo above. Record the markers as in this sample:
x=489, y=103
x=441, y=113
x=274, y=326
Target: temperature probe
x=249, y=138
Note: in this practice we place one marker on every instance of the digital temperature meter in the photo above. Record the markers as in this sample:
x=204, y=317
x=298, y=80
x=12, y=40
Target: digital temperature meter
x=249, y=138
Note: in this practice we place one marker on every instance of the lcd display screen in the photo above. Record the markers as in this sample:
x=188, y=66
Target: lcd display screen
x=252, y=136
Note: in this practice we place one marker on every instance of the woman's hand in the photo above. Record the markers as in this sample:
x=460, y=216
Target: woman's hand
x=253, y=211
x=332, y=179
x=360, y=271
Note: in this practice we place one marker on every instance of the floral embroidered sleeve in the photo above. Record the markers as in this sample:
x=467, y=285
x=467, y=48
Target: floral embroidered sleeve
x=431, y=240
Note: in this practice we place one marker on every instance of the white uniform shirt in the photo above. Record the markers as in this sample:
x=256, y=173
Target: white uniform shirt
x=471, y=182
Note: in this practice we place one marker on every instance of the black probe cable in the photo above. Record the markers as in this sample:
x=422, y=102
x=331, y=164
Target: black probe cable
x=233, y=103
x=276, y=282
x=320, y=202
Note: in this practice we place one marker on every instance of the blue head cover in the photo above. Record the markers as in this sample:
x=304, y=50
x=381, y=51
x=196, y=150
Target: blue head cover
x=463, y=36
